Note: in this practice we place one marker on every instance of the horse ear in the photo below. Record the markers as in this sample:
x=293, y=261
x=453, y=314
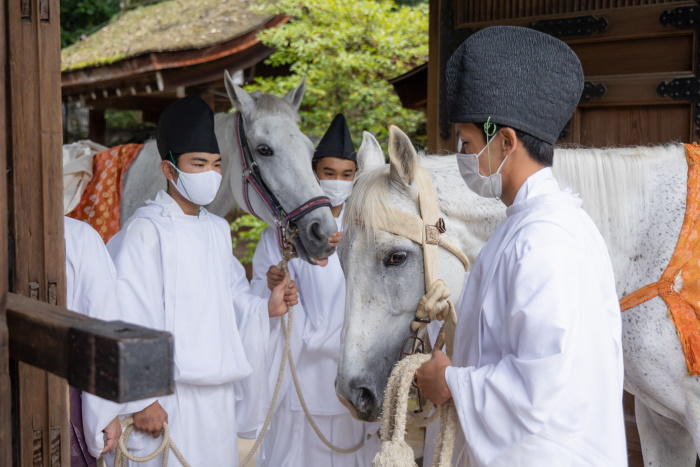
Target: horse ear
x=240, y=99
x=403, y=158
x=370, y=154
x=295, y=96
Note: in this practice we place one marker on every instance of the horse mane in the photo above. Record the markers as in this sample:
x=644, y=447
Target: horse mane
x=613, y=184
x=367, y=205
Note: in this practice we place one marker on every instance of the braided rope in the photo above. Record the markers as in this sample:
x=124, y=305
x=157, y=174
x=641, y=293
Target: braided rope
x=395, y=452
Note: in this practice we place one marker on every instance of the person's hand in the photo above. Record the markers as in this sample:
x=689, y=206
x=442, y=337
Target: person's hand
x=430, y=378
x=151, y=419
x=277, y=305
x=335, y=239
x=111, y=436
x=275, y=275
x=291, y=295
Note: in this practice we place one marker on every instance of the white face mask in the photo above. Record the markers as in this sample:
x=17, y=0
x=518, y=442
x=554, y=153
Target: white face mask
x=336, y=190
x=490, y=186
x=200, y=188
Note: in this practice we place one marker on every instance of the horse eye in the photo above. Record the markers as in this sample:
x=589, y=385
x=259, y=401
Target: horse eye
x=265, y=150
x=396, y=258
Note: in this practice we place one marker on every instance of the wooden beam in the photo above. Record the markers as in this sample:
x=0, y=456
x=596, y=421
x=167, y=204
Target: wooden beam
x=111, y=359
x=128, y=102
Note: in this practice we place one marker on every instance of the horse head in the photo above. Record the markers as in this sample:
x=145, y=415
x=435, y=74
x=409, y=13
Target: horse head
x=384, y=272
x=282, y=154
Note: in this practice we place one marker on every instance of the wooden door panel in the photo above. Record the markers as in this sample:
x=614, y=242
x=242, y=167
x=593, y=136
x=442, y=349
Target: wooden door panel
x=637, y=55
x=634, y=125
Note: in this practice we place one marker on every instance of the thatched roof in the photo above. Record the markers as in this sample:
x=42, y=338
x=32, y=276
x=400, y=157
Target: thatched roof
x=167, y=26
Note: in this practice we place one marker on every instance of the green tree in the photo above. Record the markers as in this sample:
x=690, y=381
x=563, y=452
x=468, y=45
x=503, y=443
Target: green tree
x=347, y=50
x=82, y=17
x=246, y=231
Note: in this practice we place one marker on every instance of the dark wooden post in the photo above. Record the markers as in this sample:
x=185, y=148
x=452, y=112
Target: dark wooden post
x=35, y=216
x=5, y=391
x=97, y=126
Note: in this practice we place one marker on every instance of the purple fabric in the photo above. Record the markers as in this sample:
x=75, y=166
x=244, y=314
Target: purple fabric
x=79, y=454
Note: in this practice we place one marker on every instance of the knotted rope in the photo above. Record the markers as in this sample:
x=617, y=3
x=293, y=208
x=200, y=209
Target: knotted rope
x=122, y=453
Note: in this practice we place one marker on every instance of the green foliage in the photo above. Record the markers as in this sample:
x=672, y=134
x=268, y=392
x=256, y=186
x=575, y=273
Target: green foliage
x=123, y=119
x=347, y=50
x=83, y=17
x=246, y=231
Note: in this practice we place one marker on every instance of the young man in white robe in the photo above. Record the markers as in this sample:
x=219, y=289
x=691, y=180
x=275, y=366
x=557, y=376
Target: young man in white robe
x=315, y=342
x=176, y=272
x=536, y=376
x=90, y=290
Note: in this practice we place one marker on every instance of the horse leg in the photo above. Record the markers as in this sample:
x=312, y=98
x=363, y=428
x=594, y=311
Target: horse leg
x=692, y=411
x=665, y=443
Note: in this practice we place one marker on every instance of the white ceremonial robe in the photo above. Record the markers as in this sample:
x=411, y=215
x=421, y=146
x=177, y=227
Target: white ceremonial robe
x=90, y=274
x=315, y=346
x=537, y=375
x=90, y=290
x=177, y=273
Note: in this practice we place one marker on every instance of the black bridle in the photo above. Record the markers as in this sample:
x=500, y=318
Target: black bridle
x=253, y=178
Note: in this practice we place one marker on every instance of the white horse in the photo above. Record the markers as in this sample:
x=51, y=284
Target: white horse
x=637, y=198
x=272, y=123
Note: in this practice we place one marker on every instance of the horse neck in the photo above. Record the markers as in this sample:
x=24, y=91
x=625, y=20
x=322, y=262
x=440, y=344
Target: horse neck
x=634, y=195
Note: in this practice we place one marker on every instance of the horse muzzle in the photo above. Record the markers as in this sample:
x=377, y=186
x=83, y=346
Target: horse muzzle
x=314, y=230
x=362, y=398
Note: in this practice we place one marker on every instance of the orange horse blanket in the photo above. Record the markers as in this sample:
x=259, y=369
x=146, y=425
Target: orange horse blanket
x=679, y=285
x=99, y=204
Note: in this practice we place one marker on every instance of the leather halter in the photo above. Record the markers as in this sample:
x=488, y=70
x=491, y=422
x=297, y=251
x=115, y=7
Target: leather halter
x=427, y=230
x=252, y=178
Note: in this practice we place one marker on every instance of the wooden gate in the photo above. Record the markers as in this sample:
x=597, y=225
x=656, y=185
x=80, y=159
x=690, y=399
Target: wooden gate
x=640, y=59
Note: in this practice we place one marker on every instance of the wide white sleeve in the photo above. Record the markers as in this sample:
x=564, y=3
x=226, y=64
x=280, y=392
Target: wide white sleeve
x=499, y=404
x=92, y=293
x=139, y=291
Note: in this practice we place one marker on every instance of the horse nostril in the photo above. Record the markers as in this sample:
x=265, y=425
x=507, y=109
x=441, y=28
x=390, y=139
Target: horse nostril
x=366, y=399
x=315, y=232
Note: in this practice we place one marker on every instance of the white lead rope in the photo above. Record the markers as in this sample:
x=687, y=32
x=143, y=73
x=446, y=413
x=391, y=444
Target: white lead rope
x=287, y=358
